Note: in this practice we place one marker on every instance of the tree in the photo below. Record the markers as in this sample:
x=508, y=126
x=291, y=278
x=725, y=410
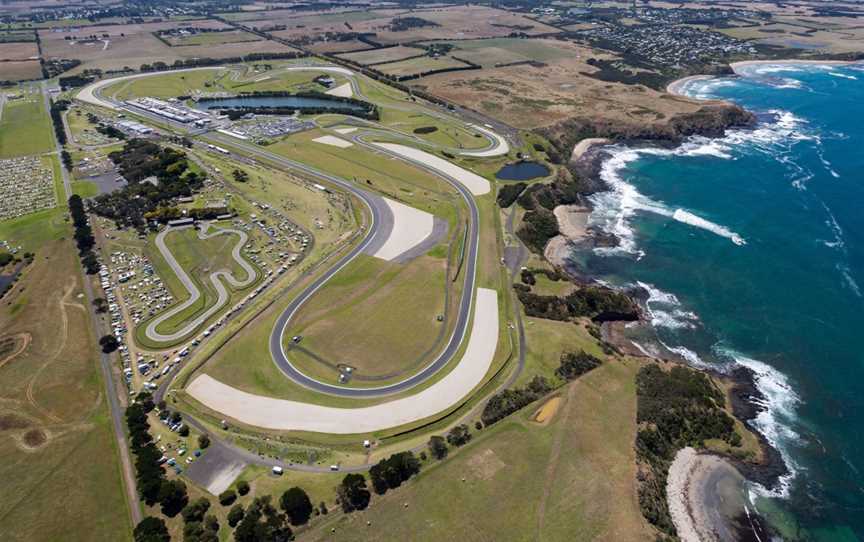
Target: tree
x=172, y=496
x=240, y=176
x=295, y=502
x=235, y=515
x=183, y=431
x=145, y=399
x=242, y=487
x=227, y=497
x=391, y=472
x=438, y=447
x=263, y=523
x=151, y=530
x=109, y=343
x=100, y=305
x=203, y=441
x=459, y=435
x=195, y=511
x=353, y=494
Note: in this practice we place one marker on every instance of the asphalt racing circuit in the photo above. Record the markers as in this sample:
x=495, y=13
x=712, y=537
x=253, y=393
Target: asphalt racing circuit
x=381, y=227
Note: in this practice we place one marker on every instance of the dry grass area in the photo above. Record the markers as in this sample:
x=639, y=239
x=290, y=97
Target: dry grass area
x=20, y=70
x=421, y=64
x=379, y=56
x=828, y=34
x=571, y=479
x=134, y=44
x=18, y=51
x=60, y=466
x=320, y=47
x=529, y=97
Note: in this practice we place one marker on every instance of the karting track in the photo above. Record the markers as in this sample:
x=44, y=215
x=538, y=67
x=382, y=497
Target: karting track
x=462, y=180
x=192, y=289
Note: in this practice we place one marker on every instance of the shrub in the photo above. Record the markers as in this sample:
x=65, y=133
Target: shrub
x=296, y=504
x=235, y=515
x=459, y=435
x=391, y=472
x=242, y=487
x=227, y=497
x=353, y=494
x=574, y=365
x=203, y=442
x=508, y=193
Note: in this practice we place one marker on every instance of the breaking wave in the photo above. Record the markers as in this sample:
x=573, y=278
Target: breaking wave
x=665, y=310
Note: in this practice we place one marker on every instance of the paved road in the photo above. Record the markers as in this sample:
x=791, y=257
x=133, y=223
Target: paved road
x=116, y=410
x=216, y=279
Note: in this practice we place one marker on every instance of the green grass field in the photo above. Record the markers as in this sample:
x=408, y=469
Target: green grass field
x=25, y=128
x=488, y=52
x=422, y=64
x=85, y=189
x=572, y=479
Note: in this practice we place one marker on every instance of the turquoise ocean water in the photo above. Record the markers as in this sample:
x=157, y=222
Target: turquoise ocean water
x=752, y=249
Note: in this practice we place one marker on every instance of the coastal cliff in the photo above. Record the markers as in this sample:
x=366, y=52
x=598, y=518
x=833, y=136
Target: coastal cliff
x=710, y=120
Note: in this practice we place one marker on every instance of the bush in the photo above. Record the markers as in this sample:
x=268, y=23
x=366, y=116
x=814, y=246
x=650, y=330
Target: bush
x=438, y=447
x=425, y=130
x=353, y=494
x=227, y=497
x=235, y=515
x=506, y=402
x=172, y=497
x=151, y=530
x=243, y=487
x=195, y=511
x=183, y=431
x=296, y=504
x=508, y=193
x=574, y=365
x=391, y=472
x=203, y=442
x=459, y=435
x=539, y=226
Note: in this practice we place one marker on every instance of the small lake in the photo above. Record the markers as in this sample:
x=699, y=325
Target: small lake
x=522, y=171
x=294, y=102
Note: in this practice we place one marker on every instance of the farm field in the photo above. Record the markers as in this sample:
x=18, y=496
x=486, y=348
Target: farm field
x=134, y=44
x=25, y=128
x=55, y=434
x=18, y=51
x=212, y=38
x=528, y=97
x=489, y=52
x=414, y=66
x=333, y=46
x=380, y=56
x=21, y=70
x=577, y=472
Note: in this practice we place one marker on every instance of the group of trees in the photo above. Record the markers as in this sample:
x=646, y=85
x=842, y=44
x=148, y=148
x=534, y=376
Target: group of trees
x=138, y=160
x=508, y=193
x=83, y=234
x=508, y=401
x=599, y=303
x=353, y=493
x=391, y=472
x=204, y=61
x=57, y=109
x=675, y=408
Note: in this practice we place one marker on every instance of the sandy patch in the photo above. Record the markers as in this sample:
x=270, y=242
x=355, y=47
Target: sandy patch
x=572, y=221
x=546, y=412
x=557, y=251
x=485, y=464
x=343, y=91
x=410, y=228
x=334, y=141
x=473, y=182
x=271, y=413
x=348, y=130
x=582, y=147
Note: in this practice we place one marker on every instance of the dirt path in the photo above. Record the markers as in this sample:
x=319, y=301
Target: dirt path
x=25, y=338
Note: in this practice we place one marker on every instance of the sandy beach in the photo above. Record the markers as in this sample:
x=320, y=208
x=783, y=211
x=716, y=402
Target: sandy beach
x=705, y=495
x=583, y=146
x=572, y=225
x=676, y=86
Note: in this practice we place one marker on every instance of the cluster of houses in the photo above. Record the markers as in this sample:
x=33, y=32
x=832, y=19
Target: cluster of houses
x=26, y=186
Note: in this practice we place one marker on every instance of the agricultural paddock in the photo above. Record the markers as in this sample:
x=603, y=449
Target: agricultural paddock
x=212, y=38
x=324, y=47
x=494, y=51
x=414, y=66
x=25, y=128
x=380, y=56
x=528, y=97
x=21, y=70
x=134, y=44
x=18, y=51
x=577, y=472
x=55, y=434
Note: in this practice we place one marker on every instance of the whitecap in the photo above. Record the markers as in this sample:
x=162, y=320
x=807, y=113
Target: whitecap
x=842, y=75
x=664, y=309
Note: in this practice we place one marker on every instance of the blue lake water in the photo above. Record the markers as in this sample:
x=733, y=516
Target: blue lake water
x=752, y=247
x=522, y=171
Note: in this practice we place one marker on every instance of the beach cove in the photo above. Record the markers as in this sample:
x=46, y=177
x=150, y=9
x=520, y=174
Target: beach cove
x=749, y=251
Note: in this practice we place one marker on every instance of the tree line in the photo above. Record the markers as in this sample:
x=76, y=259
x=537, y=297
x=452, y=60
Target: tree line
x=83, y=235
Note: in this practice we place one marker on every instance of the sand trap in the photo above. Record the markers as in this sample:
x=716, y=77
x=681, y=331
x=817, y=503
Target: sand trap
x=270, y=413
x=501, y=145
x=410, y=228
x=473, y=182
x=349, y=130
x=343, y=91
x=546, y=412
x=333, y=140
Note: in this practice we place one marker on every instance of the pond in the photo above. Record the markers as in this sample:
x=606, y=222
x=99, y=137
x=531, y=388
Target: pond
x=294, y=102
x=522, y=171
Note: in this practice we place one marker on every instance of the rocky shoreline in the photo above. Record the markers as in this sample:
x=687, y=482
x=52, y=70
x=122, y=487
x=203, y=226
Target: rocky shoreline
x=587, y=158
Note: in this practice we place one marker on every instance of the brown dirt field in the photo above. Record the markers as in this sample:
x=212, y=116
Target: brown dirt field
x=546, y=412
x=528, y=97
x=134, y=44
x=337, y=46
x=18, y=51
x=21, y=70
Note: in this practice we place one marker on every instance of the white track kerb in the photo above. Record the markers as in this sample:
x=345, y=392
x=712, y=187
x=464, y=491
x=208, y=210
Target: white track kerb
x=284, y=415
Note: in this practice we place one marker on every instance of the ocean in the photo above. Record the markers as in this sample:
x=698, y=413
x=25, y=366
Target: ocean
x=752, y=249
